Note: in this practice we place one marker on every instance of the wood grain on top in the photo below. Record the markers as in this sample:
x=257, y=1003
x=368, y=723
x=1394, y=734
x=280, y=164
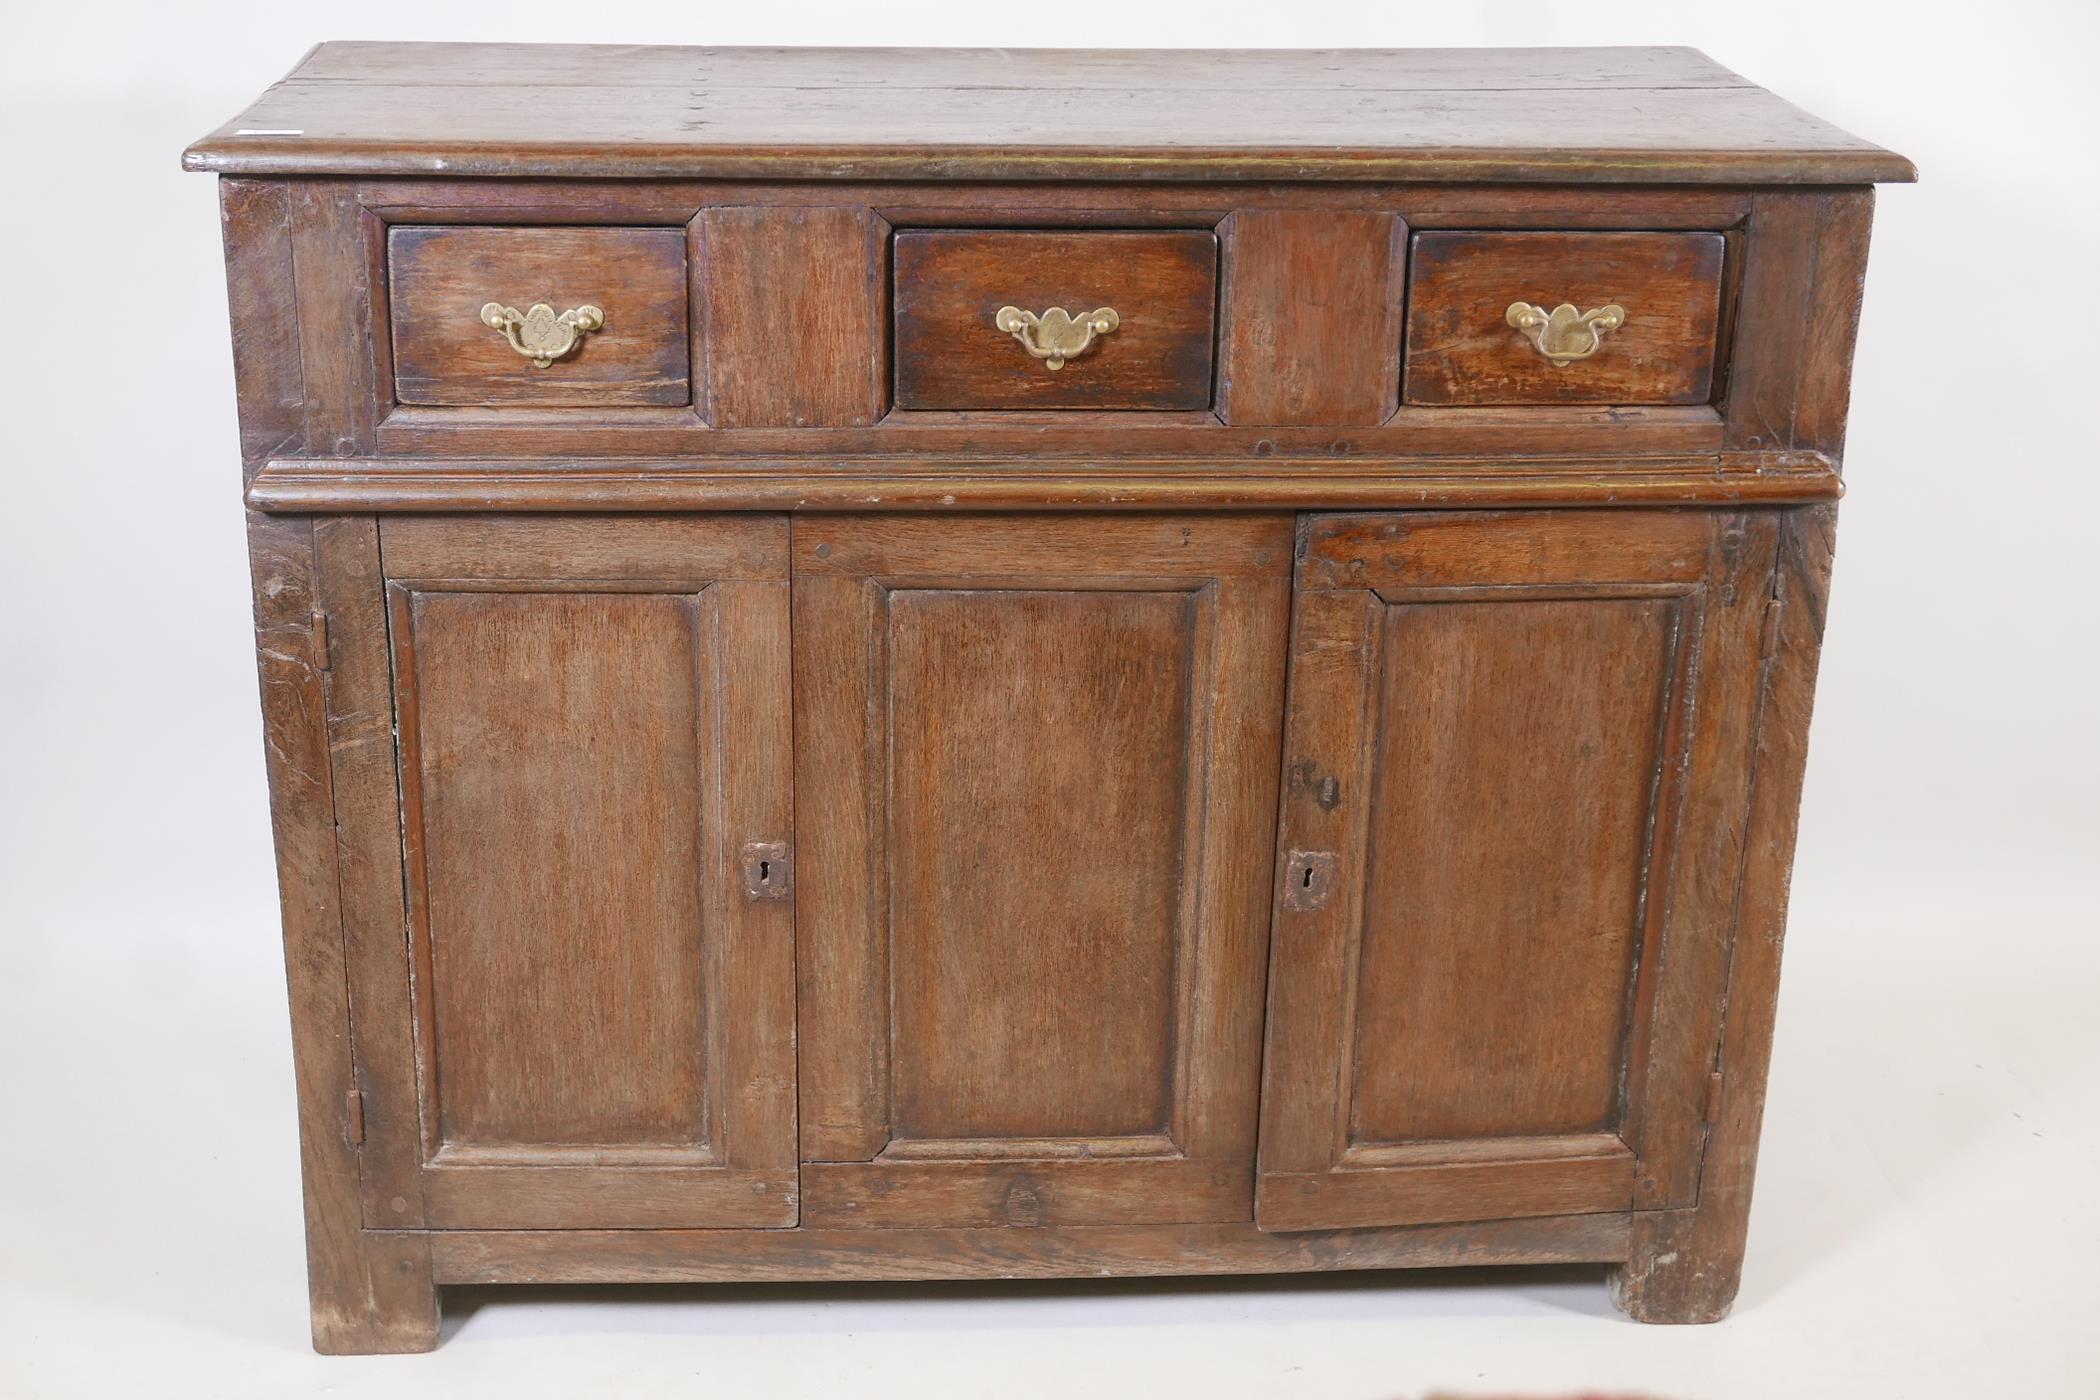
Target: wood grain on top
x=1625, y=114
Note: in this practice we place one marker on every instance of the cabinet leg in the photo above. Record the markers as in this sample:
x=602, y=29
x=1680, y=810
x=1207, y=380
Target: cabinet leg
x=1678, y=1272
x=383, y=1300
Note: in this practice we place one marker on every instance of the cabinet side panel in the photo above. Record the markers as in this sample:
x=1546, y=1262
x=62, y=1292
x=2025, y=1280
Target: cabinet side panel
x=1516, y=775
x=368, y=843
x=365, y=1298
x=1686, y=1264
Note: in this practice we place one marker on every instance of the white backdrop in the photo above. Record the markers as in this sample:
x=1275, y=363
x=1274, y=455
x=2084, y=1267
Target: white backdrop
x=1925, y=1212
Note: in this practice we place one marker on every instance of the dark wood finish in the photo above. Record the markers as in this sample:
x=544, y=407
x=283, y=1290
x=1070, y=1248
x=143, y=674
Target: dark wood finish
x=439, y=279
x=1461, y=349
x=1311, y=317
x=794, y=307
x=949, y=284
x=1662, y=116
x=590, y=722
x=1516, y=735
x=1035, y=778
x=677, y=890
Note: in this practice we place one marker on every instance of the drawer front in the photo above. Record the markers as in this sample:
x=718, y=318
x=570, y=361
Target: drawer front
x=981, y=319
x=1563, y=318
x=469, y=329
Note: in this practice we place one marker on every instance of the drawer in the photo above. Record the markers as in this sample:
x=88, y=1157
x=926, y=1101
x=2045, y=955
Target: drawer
x=991, y=319
x=600, y=316
x=1563, y=318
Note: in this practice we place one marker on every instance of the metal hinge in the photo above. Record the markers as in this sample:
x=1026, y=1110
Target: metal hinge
x=321, y=652
x=354, y=1117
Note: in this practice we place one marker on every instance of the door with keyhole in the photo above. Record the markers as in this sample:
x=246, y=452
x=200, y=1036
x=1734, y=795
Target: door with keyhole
x=1036, y=764
x=1514, y=806
x=577, y=1010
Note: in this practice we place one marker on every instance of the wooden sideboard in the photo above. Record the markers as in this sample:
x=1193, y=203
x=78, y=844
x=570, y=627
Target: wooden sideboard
x=919, y=664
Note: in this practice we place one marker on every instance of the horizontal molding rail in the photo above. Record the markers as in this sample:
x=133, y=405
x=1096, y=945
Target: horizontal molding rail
x=361, y=485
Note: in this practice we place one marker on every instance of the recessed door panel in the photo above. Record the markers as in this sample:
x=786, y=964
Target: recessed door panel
x=1038, y=814
x=1478, y=912
x=554, y=738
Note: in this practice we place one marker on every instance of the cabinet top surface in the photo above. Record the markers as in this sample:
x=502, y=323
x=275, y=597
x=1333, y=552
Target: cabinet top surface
x=1614, y=115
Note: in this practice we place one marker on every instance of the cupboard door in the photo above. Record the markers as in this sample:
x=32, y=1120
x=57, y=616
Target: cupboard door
x=581, y=1014
x=1517, y=757
x=1036, y=783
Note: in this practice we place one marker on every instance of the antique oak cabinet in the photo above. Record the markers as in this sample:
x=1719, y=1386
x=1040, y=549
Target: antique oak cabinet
x=937, y=664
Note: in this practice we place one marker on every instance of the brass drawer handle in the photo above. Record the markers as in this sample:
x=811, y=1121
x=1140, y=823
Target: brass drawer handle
x=1056, y=335
x=1564, y=335
x=539, y=335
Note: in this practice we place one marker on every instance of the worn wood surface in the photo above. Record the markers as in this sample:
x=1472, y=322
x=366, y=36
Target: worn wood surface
x=367, y=1295
x=1661, y=115
x=1685, y=1265
x=1805, y=269
x=440, y=278
x=255, y=217
x=338, y=293
x=1462, y=1179
x=951, y=283
x=352, y=613
x=1461, y=349
x=822, y=1255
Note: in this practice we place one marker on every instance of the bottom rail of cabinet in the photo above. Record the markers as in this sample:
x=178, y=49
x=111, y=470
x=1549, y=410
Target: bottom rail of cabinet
x=820, y=1255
